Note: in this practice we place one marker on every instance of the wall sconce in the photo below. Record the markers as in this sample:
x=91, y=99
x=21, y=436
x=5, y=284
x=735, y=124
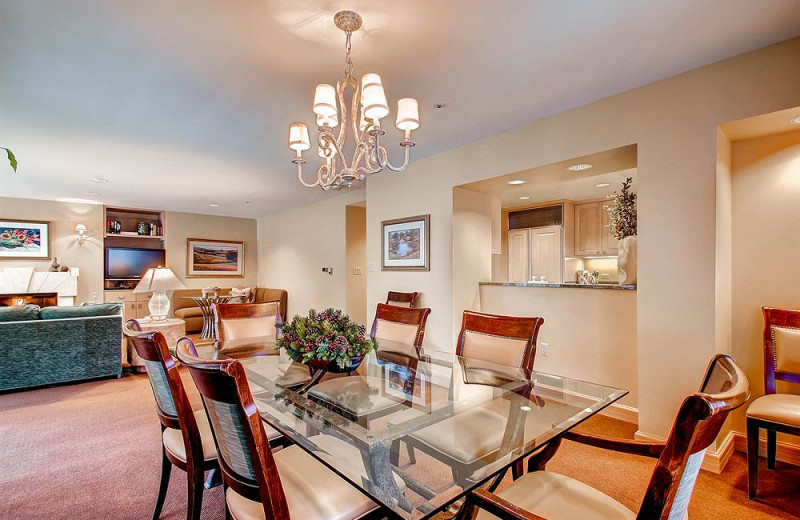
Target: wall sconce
x=82, y=236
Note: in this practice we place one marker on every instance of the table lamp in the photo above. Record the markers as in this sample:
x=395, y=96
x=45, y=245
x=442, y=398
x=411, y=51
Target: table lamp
x=159, y=280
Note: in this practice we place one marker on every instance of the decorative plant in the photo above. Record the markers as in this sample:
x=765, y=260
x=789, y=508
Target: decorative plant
x=329, y=335
x=11, y=159
x=623, y=212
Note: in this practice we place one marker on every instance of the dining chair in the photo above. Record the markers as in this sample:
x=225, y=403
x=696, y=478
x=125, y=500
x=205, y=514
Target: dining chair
x=402, y=299
x=467, y=439
x=541, y=494
x=775, y=412
x=246, y=320
x=396, y=327
x=186, y=439
x=258, y=483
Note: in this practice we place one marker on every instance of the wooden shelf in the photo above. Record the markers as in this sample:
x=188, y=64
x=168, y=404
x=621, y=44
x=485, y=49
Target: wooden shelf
x=117, y=235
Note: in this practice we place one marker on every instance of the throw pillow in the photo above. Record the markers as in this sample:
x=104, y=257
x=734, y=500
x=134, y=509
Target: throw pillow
x=85, y=311
x=19, y=313
x=240, y=295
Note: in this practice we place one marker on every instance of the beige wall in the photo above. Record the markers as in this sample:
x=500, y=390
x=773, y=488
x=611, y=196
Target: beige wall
x=591, y=333
x=765, y=246
x=356, y=240
x=63, y=218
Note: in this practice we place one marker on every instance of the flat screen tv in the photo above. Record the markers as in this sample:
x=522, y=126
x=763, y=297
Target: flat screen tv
x=126, y=263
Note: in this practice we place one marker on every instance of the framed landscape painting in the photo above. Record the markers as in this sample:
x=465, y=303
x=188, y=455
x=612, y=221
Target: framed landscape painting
x=24, y=239
x=405, y=245
x=214, y=258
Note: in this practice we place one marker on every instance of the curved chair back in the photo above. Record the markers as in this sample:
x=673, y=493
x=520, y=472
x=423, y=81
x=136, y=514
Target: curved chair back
x=242, y=443
x=699, y=420
x=507, y=340
x=400, y=324
x=246, y=320
x=172, y=403
x=781, y=347
x=402, y=299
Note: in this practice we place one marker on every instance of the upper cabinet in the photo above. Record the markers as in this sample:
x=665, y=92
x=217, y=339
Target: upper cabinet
x=593, y=230
x=518, y=255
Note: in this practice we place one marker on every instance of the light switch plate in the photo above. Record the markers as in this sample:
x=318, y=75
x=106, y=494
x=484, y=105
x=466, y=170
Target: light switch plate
x=371, y=267
x=357, y=270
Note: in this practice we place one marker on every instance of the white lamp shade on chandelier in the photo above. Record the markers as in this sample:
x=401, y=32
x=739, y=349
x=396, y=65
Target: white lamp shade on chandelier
x=407, y=114
x=298, y=137
x=158, y=280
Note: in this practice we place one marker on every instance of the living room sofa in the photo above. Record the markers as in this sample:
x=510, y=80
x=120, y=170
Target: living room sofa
x=50, y=345
x=185, y=308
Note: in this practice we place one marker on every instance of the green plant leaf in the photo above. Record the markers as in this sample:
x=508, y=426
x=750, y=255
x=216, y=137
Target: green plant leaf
x=11, y=159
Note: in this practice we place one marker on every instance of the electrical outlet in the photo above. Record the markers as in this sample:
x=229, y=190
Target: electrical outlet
x=543, y=349
x=357, y=270
x=328, y=270
x=371, y=267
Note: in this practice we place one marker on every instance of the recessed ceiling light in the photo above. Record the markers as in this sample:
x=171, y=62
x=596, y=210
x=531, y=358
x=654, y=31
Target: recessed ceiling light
x=602, y=185
x=795, y=120
x=214, y=205
x=439, y=106
x=516, y=182
x=98, y=179
x=92, y=194
x=579, y=167
x=524, y=198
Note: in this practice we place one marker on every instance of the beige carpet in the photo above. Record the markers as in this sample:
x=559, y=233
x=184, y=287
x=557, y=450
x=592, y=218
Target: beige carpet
x=91, y=451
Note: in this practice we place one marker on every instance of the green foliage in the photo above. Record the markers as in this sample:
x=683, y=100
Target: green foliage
x=11, y=159
x=329, y=335
x=623, y=214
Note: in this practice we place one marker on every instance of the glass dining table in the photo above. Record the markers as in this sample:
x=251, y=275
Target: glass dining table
x=414, y=429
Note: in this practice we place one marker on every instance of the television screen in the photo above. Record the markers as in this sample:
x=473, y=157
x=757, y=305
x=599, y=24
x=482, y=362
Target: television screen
x=131, y=264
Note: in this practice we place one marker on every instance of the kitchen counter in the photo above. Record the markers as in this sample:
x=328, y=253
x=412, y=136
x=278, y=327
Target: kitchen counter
x=572, y=285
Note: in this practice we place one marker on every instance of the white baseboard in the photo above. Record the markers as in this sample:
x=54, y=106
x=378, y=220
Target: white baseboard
x=714, y=460
x=622, y=412
x=784, y=451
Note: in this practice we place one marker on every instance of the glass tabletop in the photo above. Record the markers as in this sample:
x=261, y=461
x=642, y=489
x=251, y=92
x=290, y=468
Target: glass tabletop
x=414, y=429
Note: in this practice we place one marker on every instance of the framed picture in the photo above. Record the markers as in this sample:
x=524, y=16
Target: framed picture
x=406, y=244
x=214, y=258
x=24, y=239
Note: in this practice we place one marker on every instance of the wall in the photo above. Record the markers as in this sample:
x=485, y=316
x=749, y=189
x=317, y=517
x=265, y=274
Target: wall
x=356, y=240
x=295, y=245
x=63, y=218
x=765, y=247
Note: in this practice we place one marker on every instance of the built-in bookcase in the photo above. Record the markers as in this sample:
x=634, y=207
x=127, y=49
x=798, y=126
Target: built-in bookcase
x=122, y=229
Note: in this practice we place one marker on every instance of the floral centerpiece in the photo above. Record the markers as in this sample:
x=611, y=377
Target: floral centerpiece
x=623, y=226
x=329, y=336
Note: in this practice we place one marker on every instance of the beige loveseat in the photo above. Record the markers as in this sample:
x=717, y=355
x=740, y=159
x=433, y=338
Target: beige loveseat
x=187, y=310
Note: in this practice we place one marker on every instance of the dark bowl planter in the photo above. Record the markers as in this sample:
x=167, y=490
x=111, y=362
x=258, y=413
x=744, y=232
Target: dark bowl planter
x=333, y=367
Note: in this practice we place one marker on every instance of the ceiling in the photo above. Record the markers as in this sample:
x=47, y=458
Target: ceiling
x=180, y=104
x=556, y=182
x=765, y=124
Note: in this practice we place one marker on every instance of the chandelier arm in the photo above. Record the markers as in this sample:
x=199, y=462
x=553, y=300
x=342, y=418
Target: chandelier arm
x=300, y=176
x=383, y=156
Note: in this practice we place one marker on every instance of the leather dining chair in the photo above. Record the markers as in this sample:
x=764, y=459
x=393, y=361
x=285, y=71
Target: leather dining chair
x=258, y=483
x=775, y=412
x=402, y=299
x=468, y=438
x=187, y=442
x=246, y=320
x=547, y=495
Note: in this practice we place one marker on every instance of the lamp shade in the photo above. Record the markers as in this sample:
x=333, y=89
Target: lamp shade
x=158, y=279
x=298, y=137
x=373, y=98
x=325, y=100
x=407, y=114
x=81, y=228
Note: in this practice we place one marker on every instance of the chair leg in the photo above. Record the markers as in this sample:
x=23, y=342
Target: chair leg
x=166, y=469
x=772, y=444
x=194, y=505
x=517, y=470
x=752, y=458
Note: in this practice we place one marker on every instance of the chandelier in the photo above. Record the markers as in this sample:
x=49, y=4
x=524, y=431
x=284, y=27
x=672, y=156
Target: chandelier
x=367, y=107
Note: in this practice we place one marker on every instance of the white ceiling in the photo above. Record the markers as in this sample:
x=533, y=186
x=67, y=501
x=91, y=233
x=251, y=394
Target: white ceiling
x=182, y=103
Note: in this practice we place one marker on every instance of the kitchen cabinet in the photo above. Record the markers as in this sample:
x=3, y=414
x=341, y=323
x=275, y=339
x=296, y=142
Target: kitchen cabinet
x=593, y=230
x=135, y=306
x=518, y=255
x=536, y=252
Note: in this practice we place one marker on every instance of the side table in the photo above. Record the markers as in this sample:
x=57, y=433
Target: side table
x=172, y=329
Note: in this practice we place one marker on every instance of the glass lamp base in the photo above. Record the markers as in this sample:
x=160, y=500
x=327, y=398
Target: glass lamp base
x=159, y=306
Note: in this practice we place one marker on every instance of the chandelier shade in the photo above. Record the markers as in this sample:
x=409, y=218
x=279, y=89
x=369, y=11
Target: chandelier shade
x=298, y=137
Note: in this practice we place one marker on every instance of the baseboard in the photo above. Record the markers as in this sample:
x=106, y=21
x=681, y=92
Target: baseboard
x=784, y=452
x=622, y=412
x=714, y=460
x=614, y=410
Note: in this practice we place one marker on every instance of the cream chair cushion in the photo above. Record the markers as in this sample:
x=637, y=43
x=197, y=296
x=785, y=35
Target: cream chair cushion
x=557, y=497
x=466, y=437
x=786, y=342
x=497, y=349
x=399, y=304
x=778, y=408
x=313, y=492
x=241, y=328
x=393, y=331
x=173, y=440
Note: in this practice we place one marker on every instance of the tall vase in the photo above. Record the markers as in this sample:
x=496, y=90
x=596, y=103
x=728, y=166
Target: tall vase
x=626, y=261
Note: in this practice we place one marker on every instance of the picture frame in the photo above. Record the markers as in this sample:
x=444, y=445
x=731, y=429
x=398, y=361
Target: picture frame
x=207, y=258
x=405, y=244
x=25, y=239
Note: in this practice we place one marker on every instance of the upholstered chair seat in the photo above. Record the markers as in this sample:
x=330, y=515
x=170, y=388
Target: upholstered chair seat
x=173, y=439
x=557, y=497
x=472, y=435
x=777, y=408
x=370, y=398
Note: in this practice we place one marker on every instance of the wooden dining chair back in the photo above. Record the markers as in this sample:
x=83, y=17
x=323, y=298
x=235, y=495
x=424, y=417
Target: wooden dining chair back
x=400, y=324
x=697, y=424
x=246, y=320
x=506, y=340
x=775, y=412
x=186, y=437
x=402, y=299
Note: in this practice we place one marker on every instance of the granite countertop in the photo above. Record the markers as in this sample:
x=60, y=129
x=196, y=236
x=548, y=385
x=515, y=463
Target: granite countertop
x=573, y=285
